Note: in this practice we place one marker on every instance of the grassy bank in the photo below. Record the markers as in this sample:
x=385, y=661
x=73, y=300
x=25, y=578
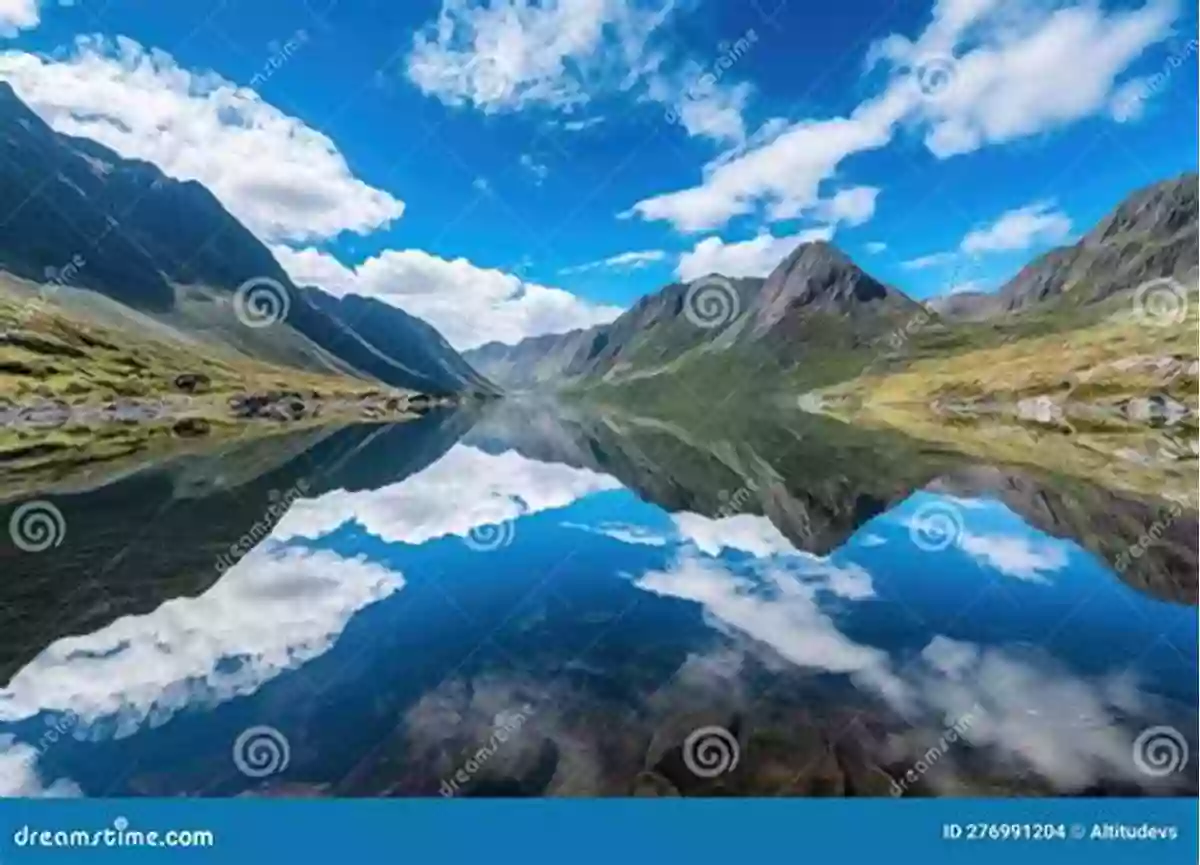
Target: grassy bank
x=74, y=392
x=1113, y=401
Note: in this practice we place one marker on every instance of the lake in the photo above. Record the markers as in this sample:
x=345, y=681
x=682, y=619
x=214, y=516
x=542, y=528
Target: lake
x=527, y=600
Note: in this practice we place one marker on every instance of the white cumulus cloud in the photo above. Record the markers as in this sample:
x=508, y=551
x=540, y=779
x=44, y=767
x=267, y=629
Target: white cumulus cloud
x=1016, y=70
x=506, y=55
x=18, y=15
x=279, y=176
x=755, y=257
x=468, y=304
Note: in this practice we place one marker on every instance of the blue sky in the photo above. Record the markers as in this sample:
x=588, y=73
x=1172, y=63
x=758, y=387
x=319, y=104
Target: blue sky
x=505, y=168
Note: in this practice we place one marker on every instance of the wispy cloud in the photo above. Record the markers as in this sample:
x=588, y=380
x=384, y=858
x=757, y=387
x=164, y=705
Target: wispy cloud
x=623, y=261
x=924, y=262
x=1019, y=229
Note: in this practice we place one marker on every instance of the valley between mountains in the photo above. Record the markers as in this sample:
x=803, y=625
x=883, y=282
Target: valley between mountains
x=137, y=316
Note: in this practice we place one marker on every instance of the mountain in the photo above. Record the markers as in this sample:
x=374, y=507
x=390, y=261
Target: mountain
x=1152, y=234
x=534, y=361
x=170, y=249
x=816, y=298
x=818, y=302
x=413, y=345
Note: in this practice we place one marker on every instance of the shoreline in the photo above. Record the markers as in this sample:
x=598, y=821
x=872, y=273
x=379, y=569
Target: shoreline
x=47, y=441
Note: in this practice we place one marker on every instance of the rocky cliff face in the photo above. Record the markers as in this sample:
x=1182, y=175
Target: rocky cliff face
x=1150, y=235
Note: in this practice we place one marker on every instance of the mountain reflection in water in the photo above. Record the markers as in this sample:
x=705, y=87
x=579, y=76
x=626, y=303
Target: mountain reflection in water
x=597, y=587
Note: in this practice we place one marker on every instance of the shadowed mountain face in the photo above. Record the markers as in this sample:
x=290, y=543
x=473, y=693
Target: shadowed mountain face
x=414, y=346
x=139, y=234
x=816, y=298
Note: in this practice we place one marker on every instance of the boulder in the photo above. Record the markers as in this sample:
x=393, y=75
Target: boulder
x=193, y=382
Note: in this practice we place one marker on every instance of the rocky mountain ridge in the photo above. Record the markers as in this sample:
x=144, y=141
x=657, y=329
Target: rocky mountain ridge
x=131, y=233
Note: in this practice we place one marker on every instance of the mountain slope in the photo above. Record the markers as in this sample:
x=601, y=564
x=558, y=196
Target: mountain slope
x=413, y=345
x=534, y=361
x=817, y=298
x=171, y=249
x=1152, y=234
x=819, y=309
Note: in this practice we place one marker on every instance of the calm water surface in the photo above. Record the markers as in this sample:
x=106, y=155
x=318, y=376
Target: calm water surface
x=526, y=602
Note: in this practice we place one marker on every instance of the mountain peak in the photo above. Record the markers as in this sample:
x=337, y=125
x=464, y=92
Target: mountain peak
x=816, y=274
